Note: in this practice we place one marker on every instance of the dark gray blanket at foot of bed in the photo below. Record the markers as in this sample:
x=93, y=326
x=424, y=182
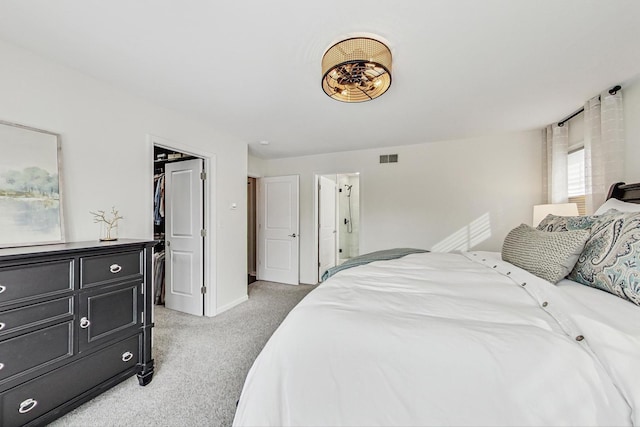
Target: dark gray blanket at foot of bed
x=384, y=255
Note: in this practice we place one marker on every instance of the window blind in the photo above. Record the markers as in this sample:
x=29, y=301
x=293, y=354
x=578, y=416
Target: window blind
x=576, y=181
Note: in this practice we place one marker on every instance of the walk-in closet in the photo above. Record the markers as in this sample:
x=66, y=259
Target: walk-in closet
x=177, y=223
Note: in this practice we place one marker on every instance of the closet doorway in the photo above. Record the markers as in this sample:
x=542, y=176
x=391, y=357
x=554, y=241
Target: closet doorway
x=178, y=218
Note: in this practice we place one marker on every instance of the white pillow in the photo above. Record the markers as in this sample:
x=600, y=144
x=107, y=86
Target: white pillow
x=618, y=205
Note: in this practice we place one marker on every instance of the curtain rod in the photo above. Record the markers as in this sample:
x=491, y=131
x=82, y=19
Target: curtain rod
x=612, y=91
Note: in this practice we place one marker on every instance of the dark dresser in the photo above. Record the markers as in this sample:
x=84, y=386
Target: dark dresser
x=75, y=320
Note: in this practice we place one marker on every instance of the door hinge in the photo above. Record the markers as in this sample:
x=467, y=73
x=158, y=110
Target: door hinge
x=203, y=290
x=318, y=264
x=203, y=233
x=203, y=175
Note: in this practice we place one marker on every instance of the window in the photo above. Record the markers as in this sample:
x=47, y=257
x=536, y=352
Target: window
x=575, y=173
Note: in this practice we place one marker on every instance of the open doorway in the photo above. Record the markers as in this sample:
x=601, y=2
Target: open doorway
x=338, y=216
x=178, y=218
x=251, y=229
x=348, y=216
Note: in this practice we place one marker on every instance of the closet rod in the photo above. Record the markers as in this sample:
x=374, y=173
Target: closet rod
x=612, y=91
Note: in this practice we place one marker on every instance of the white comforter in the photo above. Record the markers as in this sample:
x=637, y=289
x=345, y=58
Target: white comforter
x=446, y=339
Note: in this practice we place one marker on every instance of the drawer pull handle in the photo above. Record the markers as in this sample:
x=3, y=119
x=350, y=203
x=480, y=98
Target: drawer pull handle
x=115, y=268
x=27, y=405
x=2, y=325
x=2, y=288
x=127, y=356
x=84, y=323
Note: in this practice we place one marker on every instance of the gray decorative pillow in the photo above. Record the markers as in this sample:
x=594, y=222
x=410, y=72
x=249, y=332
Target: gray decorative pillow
x=611, y=258
x=566, y=223
x=550, y=256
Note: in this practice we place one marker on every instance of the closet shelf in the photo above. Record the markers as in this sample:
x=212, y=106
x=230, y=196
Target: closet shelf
x=173, y=160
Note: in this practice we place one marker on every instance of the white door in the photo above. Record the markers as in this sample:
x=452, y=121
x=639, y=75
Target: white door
x=326, y=224
x=183, y=238
x=278, y=247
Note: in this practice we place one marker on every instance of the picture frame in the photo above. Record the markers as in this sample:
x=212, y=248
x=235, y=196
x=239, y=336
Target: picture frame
x=31, y=202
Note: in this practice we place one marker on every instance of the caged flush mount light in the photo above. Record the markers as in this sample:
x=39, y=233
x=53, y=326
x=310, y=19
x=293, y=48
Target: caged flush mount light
x=356, y=70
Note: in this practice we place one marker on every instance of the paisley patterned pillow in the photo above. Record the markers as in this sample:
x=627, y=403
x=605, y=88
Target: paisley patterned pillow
x=611, y=257
x=566, y=223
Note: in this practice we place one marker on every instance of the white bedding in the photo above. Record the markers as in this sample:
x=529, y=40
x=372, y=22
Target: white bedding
x=447, y=339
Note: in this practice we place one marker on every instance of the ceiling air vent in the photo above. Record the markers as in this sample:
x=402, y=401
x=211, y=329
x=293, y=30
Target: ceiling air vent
x=389, y=158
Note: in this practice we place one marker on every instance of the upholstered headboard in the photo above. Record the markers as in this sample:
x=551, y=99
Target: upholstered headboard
x=625, y=192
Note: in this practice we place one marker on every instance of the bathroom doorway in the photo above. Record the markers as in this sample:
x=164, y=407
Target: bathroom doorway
x=338, y=219
x=348, y=216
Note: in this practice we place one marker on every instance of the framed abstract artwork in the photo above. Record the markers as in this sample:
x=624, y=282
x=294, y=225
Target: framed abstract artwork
x=30, y=187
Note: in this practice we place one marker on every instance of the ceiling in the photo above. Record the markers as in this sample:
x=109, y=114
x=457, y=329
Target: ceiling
x=461, y=68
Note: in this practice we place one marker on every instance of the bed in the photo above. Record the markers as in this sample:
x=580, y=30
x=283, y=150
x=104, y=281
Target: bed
x=453, y=339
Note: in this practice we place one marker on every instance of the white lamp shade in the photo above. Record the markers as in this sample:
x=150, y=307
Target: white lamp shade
x=560, y=209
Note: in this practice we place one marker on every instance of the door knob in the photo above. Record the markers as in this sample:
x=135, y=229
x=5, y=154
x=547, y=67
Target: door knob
x=292, y=235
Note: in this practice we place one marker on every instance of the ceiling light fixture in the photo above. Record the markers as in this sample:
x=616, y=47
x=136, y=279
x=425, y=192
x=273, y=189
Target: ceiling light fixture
x=356, y=70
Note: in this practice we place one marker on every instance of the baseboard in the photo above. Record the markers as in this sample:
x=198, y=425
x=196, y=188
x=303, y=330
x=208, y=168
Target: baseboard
x=232, y=304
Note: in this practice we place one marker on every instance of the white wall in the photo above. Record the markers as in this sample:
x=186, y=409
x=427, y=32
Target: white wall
x=439, y=194
x=107, y=158
x=256, y=166
x=424, y=199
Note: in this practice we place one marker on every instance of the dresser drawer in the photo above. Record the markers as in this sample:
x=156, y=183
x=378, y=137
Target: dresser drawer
x=27, y=281
x=35, y=349
x=34, y=398
x=99, y=269
x=32, y=315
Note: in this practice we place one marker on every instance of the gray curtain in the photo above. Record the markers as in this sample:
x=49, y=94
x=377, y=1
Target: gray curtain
x=603, y=147
x=555, y=153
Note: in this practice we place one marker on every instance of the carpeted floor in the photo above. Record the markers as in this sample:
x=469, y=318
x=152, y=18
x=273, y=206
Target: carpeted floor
x=200, y=365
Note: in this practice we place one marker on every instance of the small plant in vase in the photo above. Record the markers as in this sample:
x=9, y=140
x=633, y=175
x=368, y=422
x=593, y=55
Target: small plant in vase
x=109, y=222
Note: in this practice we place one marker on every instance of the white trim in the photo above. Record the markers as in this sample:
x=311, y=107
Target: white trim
x=233, y=304
x=316, y=222
x=210, y=246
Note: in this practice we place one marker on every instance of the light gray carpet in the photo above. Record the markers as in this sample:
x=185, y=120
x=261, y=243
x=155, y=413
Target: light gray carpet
x=200, y=365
